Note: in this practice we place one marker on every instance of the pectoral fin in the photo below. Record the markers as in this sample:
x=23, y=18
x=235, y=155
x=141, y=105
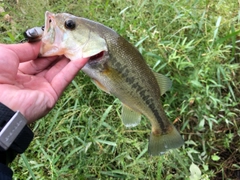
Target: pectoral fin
x=100, y=86
x=130, y=118
x=164, y=82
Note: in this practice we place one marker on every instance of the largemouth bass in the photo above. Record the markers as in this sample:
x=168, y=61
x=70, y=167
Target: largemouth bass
x=117, y=68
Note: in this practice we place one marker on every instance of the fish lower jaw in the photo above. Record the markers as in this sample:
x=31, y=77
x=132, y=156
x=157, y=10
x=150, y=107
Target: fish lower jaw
x=74, y=56
x=50, y=51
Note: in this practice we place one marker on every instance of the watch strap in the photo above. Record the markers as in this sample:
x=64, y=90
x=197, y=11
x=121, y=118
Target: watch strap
x=18, y=128
x=5, y=115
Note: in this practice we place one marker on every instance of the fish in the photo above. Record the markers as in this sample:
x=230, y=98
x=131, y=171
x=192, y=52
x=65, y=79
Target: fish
x=116, y=67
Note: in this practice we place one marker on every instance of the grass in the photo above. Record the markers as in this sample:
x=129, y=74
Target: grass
x=195, y=43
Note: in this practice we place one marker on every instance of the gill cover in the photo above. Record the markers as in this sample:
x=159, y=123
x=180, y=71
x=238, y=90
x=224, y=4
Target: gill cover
x=94, y=46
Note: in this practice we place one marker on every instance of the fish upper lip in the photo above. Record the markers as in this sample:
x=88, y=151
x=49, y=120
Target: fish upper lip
x=47, y=39
x=49, y=18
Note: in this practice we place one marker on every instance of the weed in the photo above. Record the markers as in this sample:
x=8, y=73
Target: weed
x=195, y=43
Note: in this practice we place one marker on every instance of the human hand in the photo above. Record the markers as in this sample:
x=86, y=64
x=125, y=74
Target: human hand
x=31, y=84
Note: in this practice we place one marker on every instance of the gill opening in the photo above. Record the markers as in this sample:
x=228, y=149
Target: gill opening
x=97, y=57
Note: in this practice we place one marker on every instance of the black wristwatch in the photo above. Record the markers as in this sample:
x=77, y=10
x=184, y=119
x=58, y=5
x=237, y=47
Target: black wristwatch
x=15, y=135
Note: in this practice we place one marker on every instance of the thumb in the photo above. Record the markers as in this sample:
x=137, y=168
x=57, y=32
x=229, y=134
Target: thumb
x=25, y=51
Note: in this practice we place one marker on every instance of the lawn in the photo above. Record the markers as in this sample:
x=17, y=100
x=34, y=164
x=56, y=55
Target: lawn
x=195, y=43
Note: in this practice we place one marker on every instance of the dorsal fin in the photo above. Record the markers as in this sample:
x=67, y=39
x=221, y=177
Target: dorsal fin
x=164, y=82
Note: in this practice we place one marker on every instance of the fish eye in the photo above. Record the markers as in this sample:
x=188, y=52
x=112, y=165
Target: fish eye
x=70, y=24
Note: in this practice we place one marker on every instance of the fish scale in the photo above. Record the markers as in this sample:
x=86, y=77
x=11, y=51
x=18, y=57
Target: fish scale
x=147, y=88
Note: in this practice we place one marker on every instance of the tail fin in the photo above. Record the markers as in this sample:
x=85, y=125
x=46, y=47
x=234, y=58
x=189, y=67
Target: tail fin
x=158, y=145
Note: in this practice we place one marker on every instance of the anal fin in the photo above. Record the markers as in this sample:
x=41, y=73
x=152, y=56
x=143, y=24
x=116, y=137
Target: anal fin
x=130, y=118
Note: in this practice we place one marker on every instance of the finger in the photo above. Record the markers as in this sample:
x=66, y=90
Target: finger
x=66, y=75
x=25, y=51
x=55, y=69
x=37, y=65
